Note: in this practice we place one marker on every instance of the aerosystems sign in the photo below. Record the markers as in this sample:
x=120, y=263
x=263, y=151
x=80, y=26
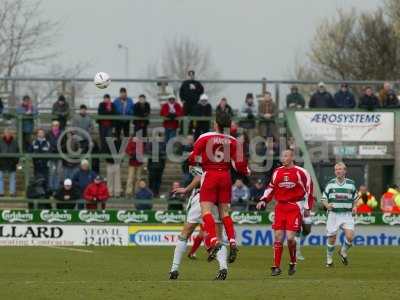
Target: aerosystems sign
x=346, y=126
x=62, y=235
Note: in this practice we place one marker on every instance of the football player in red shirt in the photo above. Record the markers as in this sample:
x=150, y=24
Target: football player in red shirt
x=289, y=186
x=217, y=152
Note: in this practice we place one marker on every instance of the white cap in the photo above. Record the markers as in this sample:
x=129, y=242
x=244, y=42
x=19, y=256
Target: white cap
x=321, y=84
x=84, y=162
x=67, y=182
x=203, y=97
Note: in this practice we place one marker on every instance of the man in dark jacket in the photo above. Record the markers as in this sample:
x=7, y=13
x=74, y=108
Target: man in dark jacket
x=344, y=98
x=141, y=109
x=106, y=108
x=202, y=109
x=67, y=192
x=294, y=99
x=84, y=176
x=369, y=101
x=143, y=196
x=8, y=165
x=1, y=106
x=321, y=98
x=391, y=100
x=40, y=165
x=256, y=193
x=156, y=165
x=61, y=111
x=190, y=92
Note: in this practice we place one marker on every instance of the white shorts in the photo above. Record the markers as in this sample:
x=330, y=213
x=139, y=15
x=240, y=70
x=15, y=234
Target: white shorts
x=193, y=211
x=304, y=220
x=339, y=220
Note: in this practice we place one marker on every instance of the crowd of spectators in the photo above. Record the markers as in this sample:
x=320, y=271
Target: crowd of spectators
x=72, y=179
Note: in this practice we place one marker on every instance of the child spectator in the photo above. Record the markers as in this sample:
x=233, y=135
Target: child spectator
x=143, y=196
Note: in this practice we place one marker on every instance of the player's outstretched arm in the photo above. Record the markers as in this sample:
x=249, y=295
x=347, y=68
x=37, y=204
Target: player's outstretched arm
x=195, y=183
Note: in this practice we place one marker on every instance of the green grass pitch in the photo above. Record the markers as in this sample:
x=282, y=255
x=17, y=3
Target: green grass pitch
x=142, y=273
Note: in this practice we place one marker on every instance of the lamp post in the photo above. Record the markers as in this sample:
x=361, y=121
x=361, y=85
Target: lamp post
x=126, y=49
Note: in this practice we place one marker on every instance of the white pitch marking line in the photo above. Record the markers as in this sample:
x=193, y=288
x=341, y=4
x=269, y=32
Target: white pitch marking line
x=70, y=249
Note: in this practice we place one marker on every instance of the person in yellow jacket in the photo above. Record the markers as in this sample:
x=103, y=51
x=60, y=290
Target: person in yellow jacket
x=366, y=201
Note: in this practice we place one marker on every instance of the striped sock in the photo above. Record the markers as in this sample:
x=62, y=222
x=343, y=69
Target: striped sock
x=329, y=250
x=345, y=247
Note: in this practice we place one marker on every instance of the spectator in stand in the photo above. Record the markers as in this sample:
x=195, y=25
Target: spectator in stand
x=390, y=199
x=248, y=112
x=186, y=149
x=240, y=195
x=143, y=196
x=28, y=112
x=202, y=109
x=67, y=193
x=156, y=165
x=344, y=98
x=369, y=101
x=8, y=165
x=175, y=200
x=384, y=93
x=123, y=106
x=170, y=111
x=223, y=106
x=267, y=112
x=113, y=169
x=55, y=165
x=366, y=201
x=294, y=99
x=391, y=100
x=41, y=145
x=141, y=109
x=84, y=176
x=106, y=108
x=135, y=151
x=96, y=194
x=322, y=98
x=256, y=192
x=83, y=121
x=1, y=106
x=61, y=111
x=190, y=92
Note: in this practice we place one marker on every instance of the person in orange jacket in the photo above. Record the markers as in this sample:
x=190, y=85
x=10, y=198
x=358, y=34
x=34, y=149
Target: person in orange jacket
x=366, y=201
x=388, y=200
x=95, y=193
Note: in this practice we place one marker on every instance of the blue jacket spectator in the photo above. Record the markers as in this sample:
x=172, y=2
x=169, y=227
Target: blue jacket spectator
x=321, y=98
x=369, y=101
x=123, y=106
x=344, y=98
x=240, y=195
x=84, y=176
x=144, y=196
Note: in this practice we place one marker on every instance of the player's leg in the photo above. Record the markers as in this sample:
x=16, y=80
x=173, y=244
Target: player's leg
x=278, y=250
x=180, y=249
x=198, y=239
x=331, y=232
x=229, y=229
x=348, y=229
x=291, y=242
x=222, y=256
x=300, y=237
x=208, y=198
x=209, y=225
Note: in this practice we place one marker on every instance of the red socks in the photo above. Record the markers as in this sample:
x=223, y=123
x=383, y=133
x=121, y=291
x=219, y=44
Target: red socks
x=229, y=229
x=292, y=251
x=278, y=249
x=196, y=244
x=209, y=226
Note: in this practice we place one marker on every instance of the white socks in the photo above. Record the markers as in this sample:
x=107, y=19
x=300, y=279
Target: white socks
x=180, y=250
x=222, y=255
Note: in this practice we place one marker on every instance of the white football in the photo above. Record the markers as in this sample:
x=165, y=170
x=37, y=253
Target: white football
x=102, y=80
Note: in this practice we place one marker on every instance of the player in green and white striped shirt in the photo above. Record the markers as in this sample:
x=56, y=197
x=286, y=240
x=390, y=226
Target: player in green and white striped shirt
x=339, y=198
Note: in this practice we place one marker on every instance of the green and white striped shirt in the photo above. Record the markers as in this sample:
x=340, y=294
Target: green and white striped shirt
x=341, y=195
